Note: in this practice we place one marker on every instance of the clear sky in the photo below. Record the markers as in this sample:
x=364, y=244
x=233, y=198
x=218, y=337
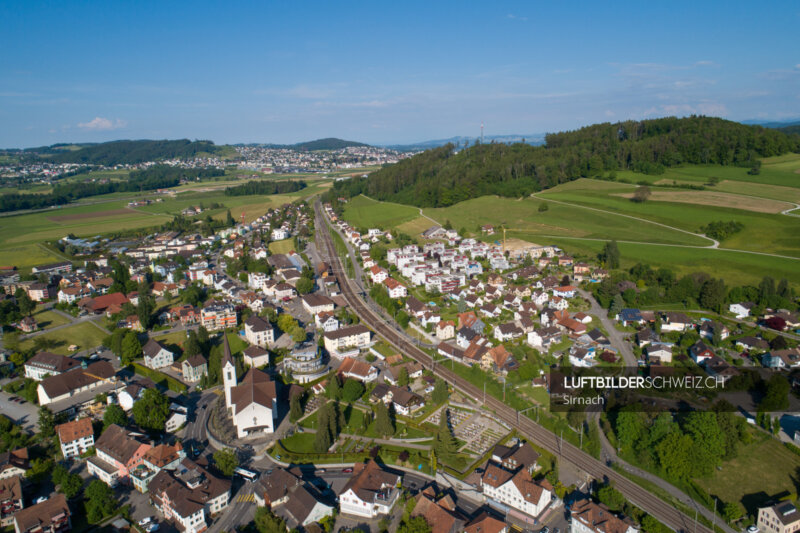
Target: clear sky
x=383, y=72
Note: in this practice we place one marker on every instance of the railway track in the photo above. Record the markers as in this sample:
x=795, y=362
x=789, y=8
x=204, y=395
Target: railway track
x=565, y=451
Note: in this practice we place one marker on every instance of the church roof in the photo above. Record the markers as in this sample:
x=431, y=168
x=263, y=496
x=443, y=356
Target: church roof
x=256, y=387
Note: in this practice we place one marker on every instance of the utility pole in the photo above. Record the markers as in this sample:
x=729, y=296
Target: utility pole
x=695, y=518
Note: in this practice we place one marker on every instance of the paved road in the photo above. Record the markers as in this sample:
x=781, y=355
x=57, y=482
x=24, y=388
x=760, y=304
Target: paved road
x=565, y=451
x=614, y=335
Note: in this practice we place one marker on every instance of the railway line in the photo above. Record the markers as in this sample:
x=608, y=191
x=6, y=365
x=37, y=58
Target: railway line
x=565, y=451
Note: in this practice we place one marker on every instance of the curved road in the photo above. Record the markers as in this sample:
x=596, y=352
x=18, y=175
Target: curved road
x=564, y=450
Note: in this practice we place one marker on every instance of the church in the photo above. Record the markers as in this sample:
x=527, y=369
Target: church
x=253, y=403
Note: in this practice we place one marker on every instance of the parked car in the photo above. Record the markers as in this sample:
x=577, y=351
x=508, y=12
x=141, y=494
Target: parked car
x=146, y=520
x=152, y=527
x=40, y=499
x=347, y=470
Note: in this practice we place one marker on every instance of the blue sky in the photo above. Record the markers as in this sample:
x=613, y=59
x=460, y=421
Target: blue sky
x=383, y=72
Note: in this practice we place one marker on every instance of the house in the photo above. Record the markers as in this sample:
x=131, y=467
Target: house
x=445, y=329
x=700, y=351
x=102, y=303
x=259, y=332
x=395, y=288
x=581, y=357
x=629, y=317
x=188, y=495
x=253, y=403
x=218, y=315
x=543, y=338
x=128, y=396
x=752, y=344
x=317, y=303
x=255, y=356
x=498, y=359
x=378, y=274
x=520, y=456
x=14, y=463
x=118, y=453
x=449, y=351
x=156, y=356
x=46, y=364
x=77, y=386
x=28, y=324
x=719, y=368
x=709, y=329
x=358, y=370
x=486, y=523
x=406, y=402
x=10, y=499
x=441, y=514
x=781, y=359
x=194, y=368
x=156, y=459
x=645, y=336
x=572, y=326
x=507, y=332
x=658, y=353
x=370, y=491
x=326, y=321
x=39, y=292
x=589, y=517
x=76, y=437
x=343, y=341
x=49, y=516
x=782, y=517
x=674, y=321
x=517, y=491
x=741, y=309
x=565, y=291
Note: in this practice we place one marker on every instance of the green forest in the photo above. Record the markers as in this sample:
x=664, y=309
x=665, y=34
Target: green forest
x=132, y=152
x=265, y=187
x=444, y=176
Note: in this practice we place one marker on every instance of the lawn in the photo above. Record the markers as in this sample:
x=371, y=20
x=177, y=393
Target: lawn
x=753, y=477
x=84, y=334
x=281, y=247
x=523, y=217
x=415, y=227
x=49, y=319
x=299, y=443
x=363, y=212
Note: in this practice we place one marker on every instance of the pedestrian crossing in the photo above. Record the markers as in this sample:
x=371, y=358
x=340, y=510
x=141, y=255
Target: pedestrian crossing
x=246, y=498
x=515, y=528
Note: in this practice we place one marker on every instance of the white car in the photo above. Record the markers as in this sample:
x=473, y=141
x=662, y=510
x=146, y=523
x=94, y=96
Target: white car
x=752, y=529
x=146, y=520
x=152, y=527
x=40, y=499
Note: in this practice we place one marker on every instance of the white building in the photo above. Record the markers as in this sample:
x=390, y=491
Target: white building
x=156, y=356
x=259, y=331
x=516, y=490
x=344, y=340
x=370, y=492
x=76, y=437
x=253, y=402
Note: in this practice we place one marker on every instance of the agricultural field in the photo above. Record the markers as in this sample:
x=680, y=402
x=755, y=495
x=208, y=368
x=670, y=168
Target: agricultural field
x=365, y=212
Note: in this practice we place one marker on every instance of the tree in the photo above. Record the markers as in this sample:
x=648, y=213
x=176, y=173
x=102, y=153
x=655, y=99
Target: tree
x=147, y=304
x=226, y=461
x=114, y=415
x=352, y=390
x=298, y=334
x=440, y=392
x=268, y=522
x=229, y=221
x=323, y=440
x=151, y=411
x=610, y=496
x=286, y=323
x=100, y=501
x=304, y=285
x=673, y=454
x=617, y=304
x=641, y=194
x=732, y=512
x=543, y=207
x=610, y=256
x=59, y=474
x=295, y=408
x=192, y=345
x=712, y=294
x=444, y=442
x=709, y=442
x=776, y=396
x=24, y=302
x=47, y=422
x=384, y=425
x=334, y=390
x=403, y=378
x=71, y=486
x=131, y=348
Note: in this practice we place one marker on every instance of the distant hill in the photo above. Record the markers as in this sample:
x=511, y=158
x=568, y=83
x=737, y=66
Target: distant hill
x=533, y=139
x=442, y=176
x=129, y=152
x=774, y=124
x=330, y=143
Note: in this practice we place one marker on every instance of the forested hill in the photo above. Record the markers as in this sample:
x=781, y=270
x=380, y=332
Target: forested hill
x=442, y=177
x=131, y=152
x=330, y=143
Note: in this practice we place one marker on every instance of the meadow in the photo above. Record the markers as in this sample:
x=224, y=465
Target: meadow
x=83, y=334
x=365, y=212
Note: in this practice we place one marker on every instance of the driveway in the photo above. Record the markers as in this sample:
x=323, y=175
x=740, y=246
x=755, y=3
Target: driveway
x=614, y=335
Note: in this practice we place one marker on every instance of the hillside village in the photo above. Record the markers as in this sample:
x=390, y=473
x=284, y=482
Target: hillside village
x=228, y=370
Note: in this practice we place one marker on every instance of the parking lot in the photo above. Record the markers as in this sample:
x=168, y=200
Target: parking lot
x=23, y=414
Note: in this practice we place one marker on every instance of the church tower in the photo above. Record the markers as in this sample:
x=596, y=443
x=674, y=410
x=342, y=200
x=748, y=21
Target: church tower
x=228, y=370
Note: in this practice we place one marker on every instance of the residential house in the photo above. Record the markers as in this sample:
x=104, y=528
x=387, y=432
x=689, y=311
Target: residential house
x=441, y=515
x=395, y=288
x=589, y=517
x=118, y=453
x=194, y=368
x=258, y=331
x=50, y=516
x=14, y=463
x=741, y=309
x=445, y=329
x=520, y=456
x=218, y=315
x=76, y=437
x=700, y=351
x=370, y=491
x=658, y=353
x=517, y=491
x=781, y=517
x=156, y=355
x=359, y=370
x=255, y=356
x=543, y=338
x=486, y=523
x=345, y=341
x=317, y=303
x=10, y=499
x=781, y=359
x=326, y=321
x=630, y=317
x=674, y=321
x=46, y=364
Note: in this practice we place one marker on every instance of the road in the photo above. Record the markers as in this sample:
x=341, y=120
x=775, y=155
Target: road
x=526, y=427
x=614, y=335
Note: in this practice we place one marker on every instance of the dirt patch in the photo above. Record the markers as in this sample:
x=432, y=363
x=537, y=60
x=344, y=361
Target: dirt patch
x=513, y=244
x=95, y=214
x=717, y=199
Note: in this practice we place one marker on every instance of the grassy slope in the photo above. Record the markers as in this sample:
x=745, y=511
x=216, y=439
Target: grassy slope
x=365, y=212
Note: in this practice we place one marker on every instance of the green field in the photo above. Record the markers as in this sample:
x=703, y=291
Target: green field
x=753, y=478
x=83, y=334
x=368, y=213
x=49, y=319
x=281, y=247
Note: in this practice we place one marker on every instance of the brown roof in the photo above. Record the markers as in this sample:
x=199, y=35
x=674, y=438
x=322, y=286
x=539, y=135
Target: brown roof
x=368, y=480
x=484, y=523
x=116, y=442
x=10, y=489
x=65, y=383
x=597, y=517
x=440, y=519
x=182, y=499
x=354, y=367
x=152, y=347
x=494, y=476
x=163, y=454
x=346, y=332
x=256, y=323
x=77, y=429
x=315, y=300
x=14, y=459
x=53, y=362
x=196, y=360
x=42, y=514
x=277, y=484
x=256, y=387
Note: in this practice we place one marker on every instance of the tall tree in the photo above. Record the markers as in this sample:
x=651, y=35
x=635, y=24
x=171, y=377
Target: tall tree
x=226, y=461
x=151, y=411
x=131, y=348
x=384, y=425
x=114, y=415
x=610, y=255
x=295, y=409
x=444, y=442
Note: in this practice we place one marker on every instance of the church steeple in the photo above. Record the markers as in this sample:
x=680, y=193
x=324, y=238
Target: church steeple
x=228, y=370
